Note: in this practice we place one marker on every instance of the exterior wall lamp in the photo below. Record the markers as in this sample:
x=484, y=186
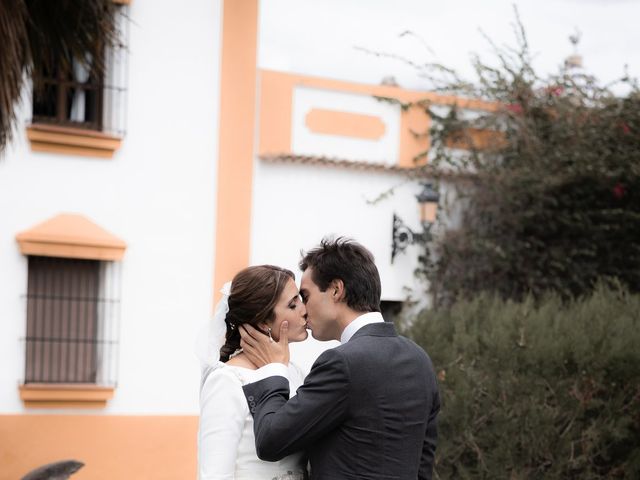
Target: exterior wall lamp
x=403, y=236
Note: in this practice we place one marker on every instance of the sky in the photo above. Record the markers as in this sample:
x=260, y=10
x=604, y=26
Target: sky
x=326, y=38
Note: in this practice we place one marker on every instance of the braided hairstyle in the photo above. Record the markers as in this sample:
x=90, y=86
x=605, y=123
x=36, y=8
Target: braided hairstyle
x=254, y=294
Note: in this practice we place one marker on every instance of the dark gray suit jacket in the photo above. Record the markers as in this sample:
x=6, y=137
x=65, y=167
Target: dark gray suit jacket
x=367, y=410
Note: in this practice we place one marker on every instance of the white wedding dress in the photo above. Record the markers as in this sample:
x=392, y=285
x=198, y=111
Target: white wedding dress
x=226, y=443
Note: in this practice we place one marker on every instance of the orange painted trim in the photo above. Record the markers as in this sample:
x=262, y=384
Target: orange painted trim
x=414, y=138
x=43, y=249
x=276, y=109
x=72, y=141
x=155, y=447
x=382, y=91
x=276, y=112
x=236, y=153
x=47, y=395
x=71, y=236
x=474, y=138
x=347, y=124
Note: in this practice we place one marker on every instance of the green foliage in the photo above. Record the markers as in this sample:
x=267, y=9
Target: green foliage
x=554, y=202
x=537, y=389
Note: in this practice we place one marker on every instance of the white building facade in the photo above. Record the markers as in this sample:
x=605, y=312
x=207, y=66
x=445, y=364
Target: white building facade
x=114, y=242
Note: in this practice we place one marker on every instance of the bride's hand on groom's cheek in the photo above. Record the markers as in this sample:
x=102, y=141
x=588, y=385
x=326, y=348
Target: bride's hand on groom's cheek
x=261, y=350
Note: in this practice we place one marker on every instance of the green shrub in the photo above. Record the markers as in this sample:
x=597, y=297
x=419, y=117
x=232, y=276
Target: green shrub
x=529, y=390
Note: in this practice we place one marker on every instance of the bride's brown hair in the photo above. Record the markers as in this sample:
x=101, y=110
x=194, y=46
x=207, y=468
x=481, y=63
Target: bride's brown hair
x=254, y=294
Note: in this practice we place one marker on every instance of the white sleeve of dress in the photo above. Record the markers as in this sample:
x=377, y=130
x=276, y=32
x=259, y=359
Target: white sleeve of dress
x=223, y=412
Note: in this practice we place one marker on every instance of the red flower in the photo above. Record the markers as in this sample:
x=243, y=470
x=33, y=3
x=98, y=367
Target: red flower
x=619, y=191
x=555, y=91
x=515, y=108
x=625, y=128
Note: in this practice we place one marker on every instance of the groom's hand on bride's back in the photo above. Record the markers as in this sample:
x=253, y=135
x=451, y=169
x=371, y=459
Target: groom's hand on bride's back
x=261, y=349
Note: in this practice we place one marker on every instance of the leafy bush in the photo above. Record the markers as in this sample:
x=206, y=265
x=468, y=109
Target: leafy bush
x=549, y=179
x=546, y=389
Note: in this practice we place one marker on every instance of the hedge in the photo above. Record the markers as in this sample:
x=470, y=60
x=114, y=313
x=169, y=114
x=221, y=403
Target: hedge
x=545, y=389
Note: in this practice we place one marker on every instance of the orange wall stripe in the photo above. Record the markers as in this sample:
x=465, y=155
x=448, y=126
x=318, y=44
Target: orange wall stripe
x=131, y=447
x=276, y=108
x=289, y=80
x=414, y=137
x=276, y=94
x=236, y=133
x=347, y=124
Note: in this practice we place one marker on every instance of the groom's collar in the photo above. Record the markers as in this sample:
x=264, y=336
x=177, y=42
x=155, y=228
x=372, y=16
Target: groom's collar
x=358, y=323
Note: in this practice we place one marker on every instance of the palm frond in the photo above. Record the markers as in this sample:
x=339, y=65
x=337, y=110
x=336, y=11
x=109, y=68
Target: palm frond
x=14, y=56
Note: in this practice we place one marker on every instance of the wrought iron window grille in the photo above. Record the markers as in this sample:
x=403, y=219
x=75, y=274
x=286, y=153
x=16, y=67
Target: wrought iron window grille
x=73, y=321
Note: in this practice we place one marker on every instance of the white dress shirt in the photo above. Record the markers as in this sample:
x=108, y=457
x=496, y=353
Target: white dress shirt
x=358, y=323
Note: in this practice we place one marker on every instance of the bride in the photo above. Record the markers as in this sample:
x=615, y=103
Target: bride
x=262, y=296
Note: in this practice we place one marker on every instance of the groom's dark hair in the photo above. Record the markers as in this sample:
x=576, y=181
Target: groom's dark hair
x=345, y=259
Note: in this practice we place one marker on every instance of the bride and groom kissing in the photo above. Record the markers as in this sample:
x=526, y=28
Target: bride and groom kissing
x=366, y=410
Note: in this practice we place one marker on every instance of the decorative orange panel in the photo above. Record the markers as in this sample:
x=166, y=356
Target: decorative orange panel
x=347, y=124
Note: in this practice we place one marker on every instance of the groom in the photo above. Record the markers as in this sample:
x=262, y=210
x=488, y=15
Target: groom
x=368, y=408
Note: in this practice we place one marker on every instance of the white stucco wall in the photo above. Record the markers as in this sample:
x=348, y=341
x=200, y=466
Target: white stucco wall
x=157, y=194
x=296, y=205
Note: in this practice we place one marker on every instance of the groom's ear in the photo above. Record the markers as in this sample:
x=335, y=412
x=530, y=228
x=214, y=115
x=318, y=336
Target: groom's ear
x=337, y=290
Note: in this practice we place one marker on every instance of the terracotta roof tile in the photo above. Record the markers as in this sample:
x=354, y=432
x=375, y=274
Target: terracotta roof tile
x=423, y=171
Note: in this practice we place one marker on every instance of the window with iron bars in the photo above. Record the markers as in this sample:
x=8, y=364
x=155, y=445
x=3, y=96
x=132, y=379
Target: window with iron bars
x=73, y=310
x=78, y=96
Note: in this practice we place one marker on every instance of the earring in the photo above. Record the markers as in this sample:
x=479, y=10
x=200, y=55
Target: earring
x=270, y=337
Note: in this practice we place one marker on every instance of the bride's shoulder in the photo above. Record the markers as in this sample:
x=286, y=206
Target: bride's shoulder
x=221, y=394
x=221, y=375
